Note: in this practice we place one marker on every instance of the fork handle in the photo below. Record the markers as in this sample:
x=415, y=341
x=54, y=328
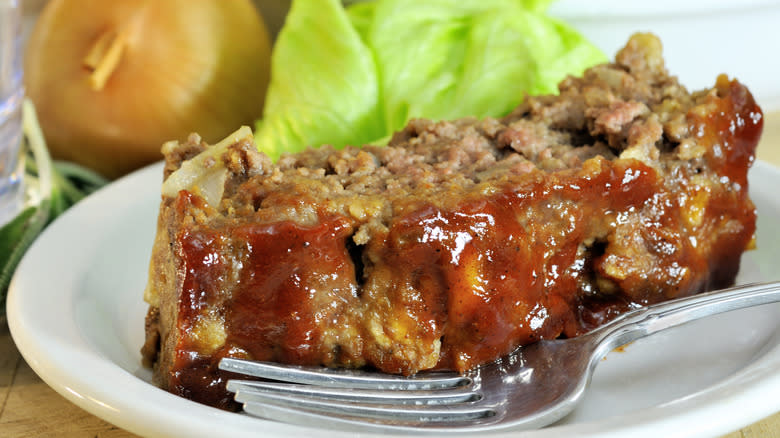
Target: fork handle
x=654, y=318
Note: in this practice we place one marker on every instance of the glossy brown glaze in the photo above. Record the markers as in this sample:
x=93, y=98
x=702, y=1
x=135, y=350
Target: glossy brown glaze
x=524, y=264
x=270, y=311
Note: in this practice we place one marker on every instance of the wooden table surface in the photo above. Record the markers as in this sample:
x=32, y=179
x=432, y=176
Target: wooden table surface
x=29, y=408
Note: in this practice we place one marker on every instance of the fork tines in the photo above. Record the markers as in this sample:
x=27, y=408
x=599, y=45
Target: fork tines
x=317, y=391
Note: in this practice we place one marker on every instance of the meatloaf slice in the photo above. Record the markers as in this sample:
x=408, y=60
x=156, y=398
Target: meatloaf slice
x=459, y=240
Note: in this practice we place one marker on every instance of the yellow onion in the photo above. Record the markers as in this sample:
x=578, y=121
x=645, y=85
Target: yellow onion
x=113, y=80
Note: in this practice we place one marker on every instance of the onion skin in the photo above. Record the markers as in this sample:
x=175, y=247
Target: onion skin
x=183, y=66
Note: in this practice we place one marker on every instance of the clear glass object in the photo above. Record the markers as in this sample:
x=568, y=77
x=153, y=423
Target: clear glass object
x=11, y=96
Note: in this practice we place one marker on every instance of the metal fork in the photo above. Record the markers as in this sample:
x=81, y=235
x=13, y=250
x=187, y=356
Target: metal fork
x=532, y=387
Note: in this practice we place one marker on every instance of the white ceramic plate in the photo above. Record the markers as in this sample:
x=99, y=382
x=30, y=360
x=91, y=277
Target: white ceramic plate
x=76, y=314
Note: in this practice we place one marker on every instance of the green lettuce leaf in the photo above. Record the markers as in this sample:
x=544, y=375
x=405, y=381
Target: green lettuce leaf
x=352, y=76
x=324, y=84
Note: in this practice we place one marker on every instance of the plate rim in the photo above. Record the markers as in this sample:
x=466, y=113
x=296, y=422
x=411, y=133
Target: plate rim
x=200, y=420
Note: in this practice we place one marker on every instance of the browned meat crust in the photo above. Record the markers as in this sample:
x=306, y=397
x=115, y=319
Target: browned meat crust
x=460, y=240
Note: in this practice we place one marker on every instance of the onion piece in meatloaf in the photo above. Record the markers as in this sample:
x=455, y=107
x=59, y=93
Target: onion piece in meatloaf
x=458, y=241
